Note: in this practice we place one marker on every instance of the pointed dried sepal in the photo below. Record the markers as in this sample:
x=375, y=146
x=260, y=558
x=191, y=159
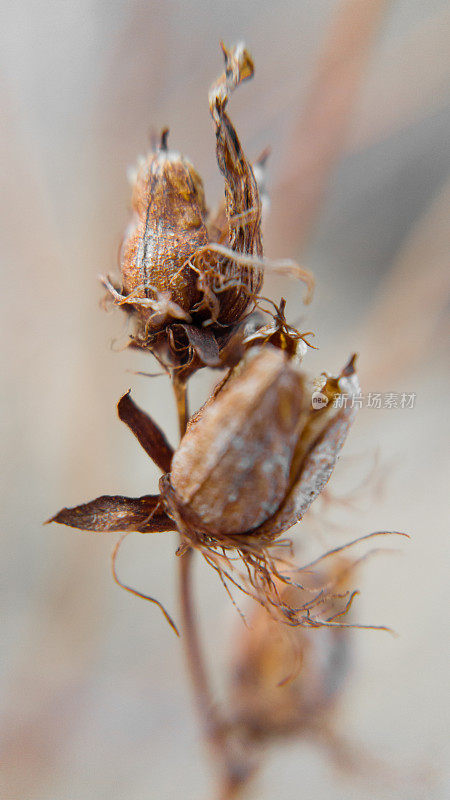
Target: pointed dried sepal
x=280, y=334
x=147, y=432
x=110, y=513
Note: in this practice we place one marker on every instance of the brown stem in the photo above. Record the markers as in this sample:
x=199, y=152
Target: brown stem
x=234, y=771
x=194, y=657
x=320, y=131
x=212, y=727
x=180, y=392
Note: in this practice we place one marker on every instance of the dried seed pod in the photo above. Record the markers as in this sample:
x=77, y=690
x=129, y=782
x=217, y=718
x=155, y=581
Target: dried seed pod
x=286, y=680
x=172, y=266
x=249, y=466
x=247, y=435
x=189, y=283
x=244, y=465
x=168, y=228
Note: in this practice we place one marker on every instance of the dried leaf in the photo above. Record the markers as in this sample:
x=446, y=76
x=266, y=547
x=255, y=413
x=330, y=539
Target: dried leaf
x=242, y=201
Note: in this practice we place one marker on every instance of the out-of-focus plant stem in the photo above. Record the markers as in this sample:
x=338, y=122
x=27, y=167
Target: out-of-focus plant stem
x=318, y=135
x=409, y=307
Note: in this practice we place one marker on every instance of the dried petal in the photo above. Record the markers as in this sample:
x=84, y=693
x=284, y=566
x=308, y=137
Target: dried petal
x=204, y=343
x=117, y=513
x=218, y=229
x=242, y=200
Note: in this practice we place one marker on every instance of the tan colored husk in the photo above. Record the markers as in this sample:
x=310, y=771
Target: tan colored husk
x=209, y=490
x=248, y=434
x=167, y=229
x=239, y=467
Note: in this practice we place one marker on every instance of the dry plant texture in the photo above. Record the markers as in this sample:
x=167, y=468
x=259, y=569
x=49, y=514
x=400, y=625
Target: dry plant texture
x=94, y=700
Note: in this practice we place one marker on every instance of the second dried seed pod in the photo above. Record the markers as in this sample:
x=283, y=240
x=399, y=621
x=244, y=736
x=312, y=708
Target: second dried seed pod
x=257, y=454
x=285, y=680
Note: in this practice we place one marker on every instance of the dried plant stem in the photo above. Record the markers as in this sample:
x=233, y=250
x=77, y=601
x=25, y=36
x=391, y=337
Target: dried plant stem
x=180, y=392
x=233, y=772
x=194, y=657
x=212, y=727
x=319, y=133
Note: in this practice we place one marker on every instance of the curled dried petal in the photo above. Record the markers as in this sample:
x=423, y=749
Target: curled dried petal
x=241, y=282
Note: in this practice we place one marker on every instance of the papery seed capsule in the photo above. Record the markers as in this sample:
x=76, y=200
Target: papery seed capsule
x=171, y=269
x=168, y=227
x=259, y=452
x=232, y=468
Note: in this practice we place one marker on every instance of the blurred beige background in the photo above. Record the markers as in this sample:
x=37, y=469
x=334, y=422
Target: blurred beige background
x=353, y=98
